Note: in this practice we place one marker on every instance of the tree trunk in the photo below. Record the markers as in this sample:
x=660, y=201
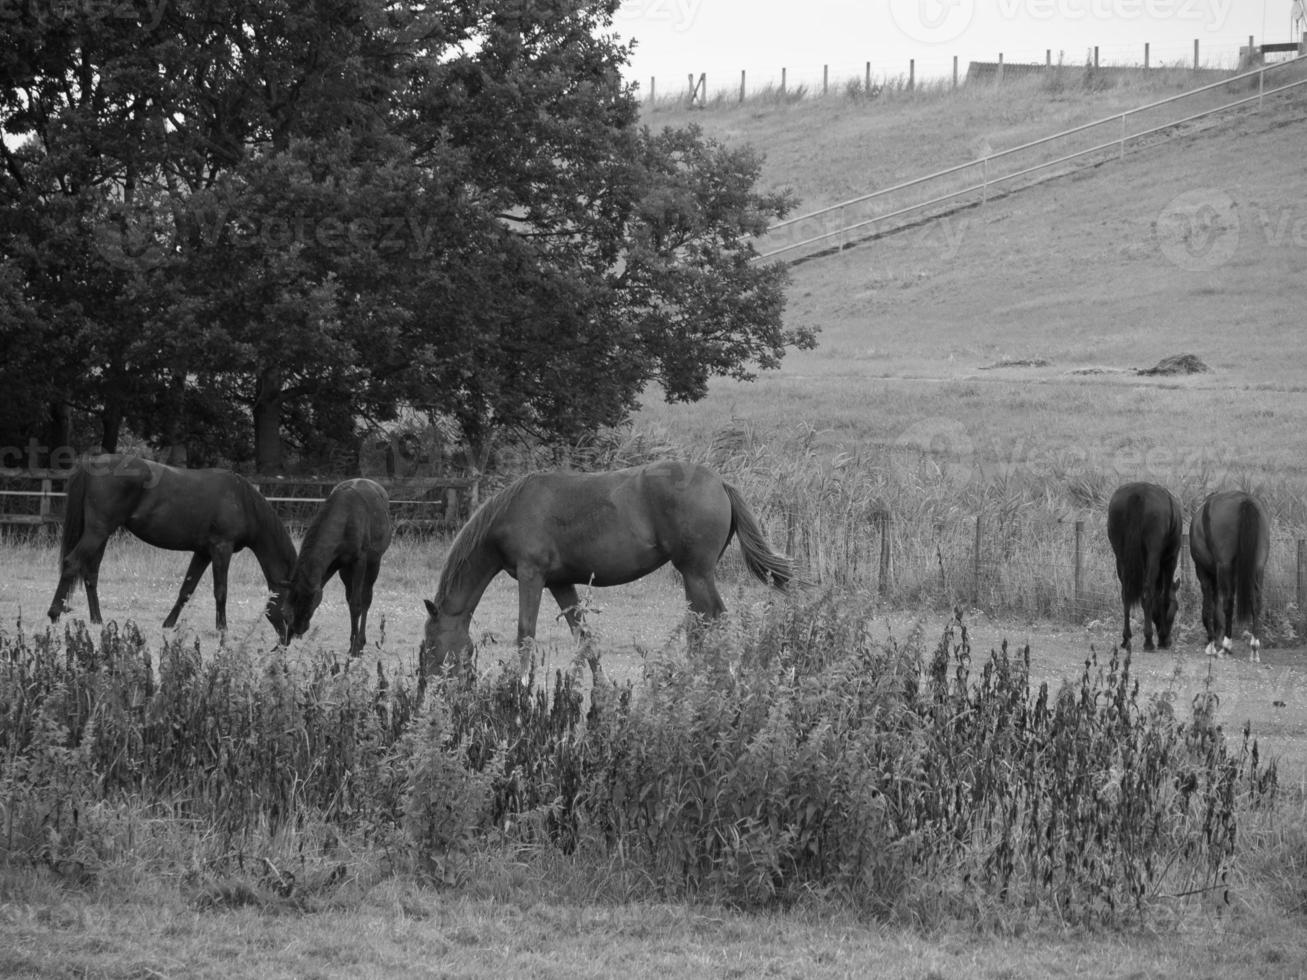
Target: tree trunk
x=58, y=449
x=175, y=433
x=267, y=422
x=111, y=424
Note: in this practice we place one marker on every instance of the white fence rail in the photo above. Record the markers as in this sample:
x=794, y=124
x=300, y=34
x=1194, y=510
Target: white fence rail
x=1001, y=172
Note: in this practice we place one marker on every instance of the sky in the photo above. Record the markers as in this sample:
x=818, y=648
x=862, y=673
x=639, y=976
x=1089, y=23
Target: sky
x=723, y=37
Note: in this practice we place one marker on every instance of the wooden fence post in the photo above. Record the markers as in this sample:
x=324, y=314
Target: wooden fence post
x=1080, y=567
x=998, y=76
x=975, y=567
x=883, y=582
x=955, y=72
x=782, y=81
x=912, y=74
x=1145, y=55
x=741, y=84
x=825, y=79
x=1301, y=593
x=866, y=79
x=653, y=92
x=1095, y=57
x=45, y=500
x=1048, y=57
x=1195, y=54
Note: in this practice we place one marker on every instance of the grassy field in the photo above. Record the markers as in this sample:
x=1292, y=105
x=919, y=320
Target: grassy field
x=904, y=407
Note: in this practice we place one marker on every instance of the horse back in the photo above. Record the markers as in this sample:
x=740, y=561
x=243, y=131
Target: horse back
x=354, y=521
x=187, y=510
x=1229, y=524
x=614, y=526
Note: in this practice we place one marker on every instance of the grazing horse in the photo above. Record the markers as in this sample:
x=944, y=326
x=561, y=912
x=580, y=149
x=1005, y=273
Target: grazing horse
x=348, y=535
x=1230, y=539
x=213, y=513
x=558, y=530
x=1145, y=525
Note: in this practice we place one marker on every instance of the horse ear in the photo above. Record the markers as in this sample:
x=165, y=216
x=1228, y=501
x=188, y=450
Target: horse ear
x=431, y=609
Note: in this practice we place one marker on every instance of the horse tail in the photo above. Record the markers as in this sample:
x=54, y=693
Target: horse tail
x=1132, y=551
x=74, y=513
x=1246, y=570
x=765, y=564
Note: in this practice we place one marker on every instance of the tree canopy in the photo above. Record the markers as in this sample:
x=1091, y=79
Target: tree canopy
x=244, y=228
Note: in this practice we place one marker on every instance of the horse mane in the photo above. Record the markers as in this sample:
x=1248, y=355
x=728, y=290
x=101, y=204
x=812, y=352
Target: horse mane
x=472, y=536
x=273, y=539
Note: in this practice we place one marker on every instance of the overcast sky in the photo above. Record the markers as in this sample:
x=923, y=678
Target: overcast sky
x=721, y=37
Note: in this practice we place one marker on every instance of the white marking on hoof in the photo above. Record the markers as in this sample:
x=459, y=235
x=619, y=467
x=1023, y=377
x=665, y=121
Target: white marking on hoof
x=1254, y=651
x=1227, y=645
x=1212, y=650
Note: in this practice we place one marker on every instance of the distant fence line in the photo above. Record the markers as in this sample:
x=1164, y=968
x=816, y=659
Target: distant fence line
x=1222, y=59
x=1054, y=568
x=1062, y=569
x=28, y=498
x=973, y=182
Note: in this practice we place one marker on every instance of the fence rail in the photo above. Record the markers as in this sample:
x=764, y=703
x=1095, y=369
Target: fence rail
x=28, y=497
x=974, y=182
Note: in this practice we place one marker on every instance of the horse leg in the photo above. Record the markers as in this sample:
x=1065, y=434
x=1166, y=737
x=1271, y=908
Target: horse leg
x=1254, y=643
x=367, y=577
x=221, y=556
x=1223, y=610
x=530, y=588
x=91, y=579
x=570, y=604
x=1207, y=586
x=357, y=579
x=199, y=562
x=705, y=601
x=1125, y=630
x=75, y=566
x=1148, y=601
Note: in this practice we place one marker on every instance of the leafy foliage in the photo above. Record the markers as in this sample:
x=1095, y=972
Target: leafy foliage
x=325, y=215
x=792, y=756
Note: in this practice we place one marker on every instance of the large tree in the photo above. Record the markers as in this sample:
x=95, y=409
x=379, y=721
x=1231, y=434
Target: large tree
x=317, y=214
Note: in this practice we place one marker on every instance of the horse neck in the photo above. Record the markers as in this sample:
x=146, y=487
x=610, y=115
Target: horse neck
x=462, y=585
x=310, y=566
x=272, y=546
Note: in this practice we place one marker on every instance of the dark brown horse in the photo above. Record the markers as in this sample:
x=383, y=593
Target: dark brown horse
x=1230, y=539
x=1145, y=525
x=348, y=535
x=213, y=513
x=558, y=530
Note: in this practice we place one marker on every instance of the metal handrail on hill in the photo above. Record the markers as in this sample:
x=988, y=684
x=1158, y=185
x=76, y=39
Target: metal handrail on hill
x=871, y=214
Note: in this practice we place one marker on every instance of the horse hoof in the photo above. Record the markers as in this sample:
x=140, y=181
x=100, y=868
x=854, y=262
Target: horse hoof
x=1212, y=650
x=1148, y=646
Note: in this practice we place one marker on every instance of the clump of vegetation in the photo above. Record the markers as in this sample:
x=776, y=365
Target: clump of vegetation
x=790, y=756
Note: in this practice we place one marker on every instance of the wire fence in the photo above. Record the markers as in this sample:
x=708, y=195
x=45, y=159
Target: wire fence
x=1004, y=565
x=1003, y=171
x=720, y=83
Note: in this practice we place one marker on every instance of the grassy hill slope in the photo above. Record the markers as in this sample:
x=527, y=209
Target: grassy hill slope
x=1070, y=277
